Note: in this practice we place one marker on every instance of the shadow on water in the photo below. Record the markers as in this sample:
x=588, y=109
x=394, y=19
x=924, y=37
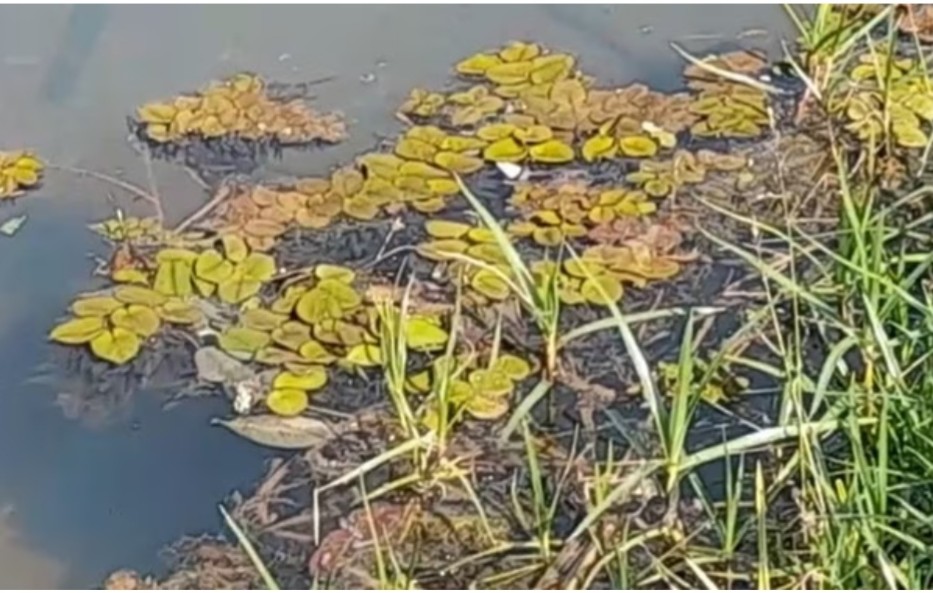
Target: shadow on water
x=87, y=501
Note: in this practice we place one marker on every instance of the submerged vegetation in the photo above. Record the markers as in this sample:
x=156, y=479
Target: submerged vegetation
x=556, y=334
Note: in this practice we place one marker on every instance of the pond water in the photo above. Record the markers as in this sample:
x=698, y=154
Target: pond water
x=77, y=500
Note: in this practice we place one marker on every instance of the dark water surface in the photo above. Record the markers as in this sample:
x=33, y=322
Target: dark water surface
x=77, y=502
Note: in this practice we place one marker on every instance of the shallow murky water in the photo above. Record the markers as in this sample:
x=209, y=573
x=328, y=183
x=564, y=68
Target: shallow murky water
x=76, y=501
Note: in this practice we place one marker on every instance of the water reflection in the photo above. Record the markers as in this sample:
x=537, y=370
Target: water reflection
x=21, y=566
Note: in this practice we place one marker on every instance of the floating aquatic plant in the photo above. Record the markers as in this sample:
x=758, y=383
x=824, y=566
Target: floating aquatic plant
x=518, y=69
x=555, y=212
x=115, y=324
x=460, y=244
x=422, y=103
x=237, y=106
x=510, y=143
x=19, y=171
x=902, y=85
x=726, y=108
x=472, y=106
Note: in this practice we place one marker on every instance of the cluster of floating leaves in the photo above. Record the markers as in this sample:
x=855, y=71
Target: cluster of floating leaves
x=660, y=178
x=474, y=252
x=523, y=104
x=556, y=212
x=318, y=321
x=535, y=106
x=115, y=324
x=601, y=272
x=519, y=70
x=903, y=83
x=482, y=392
x=729, y=109
x=237, y=106
x=167, y=288
x=19, y=171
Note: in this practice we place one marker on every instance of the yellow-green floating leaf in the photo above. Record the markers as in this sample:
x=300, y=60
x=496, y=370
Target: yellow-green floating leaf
x=139, y=319
x=118, y=345
x=78, y=331
x=287, y=402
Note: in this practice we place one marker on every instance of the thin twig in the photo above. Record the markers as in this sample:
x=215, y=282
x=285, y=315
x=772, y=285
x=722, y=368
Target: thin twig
x=197, y=178
x=131, y=188
x=155, y=199
x=728, y=75
x=222, y=194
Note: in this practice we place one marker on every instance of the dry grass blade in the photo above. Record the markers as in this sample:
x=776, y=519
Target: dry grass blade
x=267, y=577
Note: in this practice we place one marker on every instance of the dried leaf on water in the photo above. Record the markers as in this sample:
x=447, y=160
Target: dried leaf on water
x=216, y=366
x=269, y=430
x=12, y=225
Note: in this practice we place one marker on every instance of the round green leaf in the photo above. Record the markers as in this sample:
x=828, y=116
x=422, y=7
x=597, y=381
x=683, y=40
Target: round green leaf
x=95, y=306
x=139, y=295
x=213, y=267
x=490, y=383
x=139, y=319
x=314, y=351
x=312, y=380
x=365, y=355
x=180, y=312
x=421, y=333
x=331, y=272
x=485, y=407
x=419, y=382
x=287, y=301
x=512, y=367
x=262, y=319
x=277, y=356
x=238, y=288
x=609, y=285
x=291, y=335
x=78, y=331
x=257, y=267
x=315, y=306
x=341, y=293
x=446, y=229
x=118, y=346
x=172, y=255
x=490, y=284
x=287, y=402
x=173, y=278
x=234, y=248
x=341, y=333
x=243, y=340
